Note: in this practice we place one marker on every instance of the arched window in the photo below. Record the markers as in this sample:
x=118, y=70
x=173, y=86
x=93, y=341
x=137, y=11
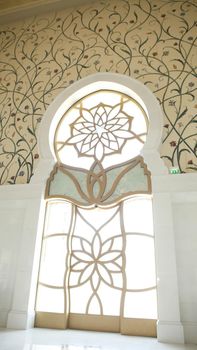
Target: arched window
x=97, y=268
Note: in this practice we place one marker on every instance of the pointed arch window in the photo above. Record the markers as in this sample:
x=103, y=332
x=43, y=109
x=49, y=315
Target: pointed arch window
x=97, y=267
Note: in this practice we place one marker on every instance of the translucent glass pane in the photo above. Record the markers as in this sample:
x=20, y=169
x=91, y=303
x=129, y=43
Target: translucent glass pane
x=97, y=216
x=138, y=215
x=105, y=221
x=94, y=306
x=104, y=118
x=112, y=229
x=63, y=185
x=79, y=298
x=116, y=242
x=53, y=262
x=67, y=155
x=140, y=262
x=82, y=229
x=96, y=260
x=141, y=305
x=58, y=217
x=132, y=181
x=139, y=124
x=50, y=300
x=110, y=299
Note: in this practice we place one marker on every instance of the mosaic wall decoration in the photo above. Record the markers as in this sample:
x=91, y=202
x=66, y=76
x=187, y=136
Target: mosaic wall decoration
x=152, y=41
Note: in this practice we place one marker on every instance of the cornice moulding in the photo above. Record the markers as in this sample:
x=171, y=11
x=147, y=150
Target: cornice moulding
x=16, y=13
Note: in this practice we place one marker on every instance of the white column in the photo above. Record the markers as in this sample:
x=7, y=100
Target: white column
x=169, y=327
x=21, y=315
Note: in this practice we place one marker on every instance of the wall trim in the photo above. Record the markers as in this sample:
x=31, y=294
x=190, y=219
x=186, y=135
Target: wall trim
x=3, y=317
x=170, y=332
x=29, y=9
x=175, y=183
x=183, y=187
x=21, y=192
x=20, y=319
x=190, y=332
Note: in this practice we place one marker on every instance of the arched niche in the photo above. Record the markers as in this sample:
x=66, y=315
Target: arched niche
x=169, y=327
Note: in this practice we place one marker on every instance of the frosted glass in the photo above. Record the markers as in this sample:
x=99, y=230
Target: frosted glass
x=58, y=216
x=111, y=299
x=82, y=229
x=132, y=181
x=140, y=262
x=95, y=306
x=50, y=300
x=141, y=305
x=53, y=262
x=97, y=216
x=63, y=185
x=79, y=298
x=138, y=215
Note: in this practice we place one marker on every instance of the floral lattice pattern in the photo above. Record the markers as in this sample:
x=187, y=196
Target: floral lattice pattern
x=97, y=260
x=98, y=186
x=101, y=132
x=103, y=123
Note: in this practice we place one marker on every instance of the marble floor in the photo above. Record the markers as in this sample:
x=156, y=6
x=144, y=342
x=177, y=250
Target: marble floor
x=45, y=339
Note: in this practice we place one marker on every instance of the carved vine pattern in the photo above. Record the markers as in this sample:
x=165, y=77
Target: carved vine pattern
x=152, y=41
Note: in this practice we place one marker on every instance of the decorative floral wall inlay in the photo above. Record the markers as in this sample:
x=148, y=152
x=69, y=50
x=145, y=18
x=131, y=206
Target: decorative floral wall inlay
x=152, y=41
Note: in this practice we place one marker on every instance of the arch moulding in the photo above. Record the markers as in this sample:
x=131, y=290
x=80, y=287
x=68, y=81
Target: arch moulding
x=85, y=86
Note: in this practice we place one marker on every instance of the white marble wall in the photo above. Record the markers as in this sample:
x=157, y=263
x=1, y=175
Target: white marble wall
x=19, y=212
x=11, y=224
x=185, y=222
x=177, y=273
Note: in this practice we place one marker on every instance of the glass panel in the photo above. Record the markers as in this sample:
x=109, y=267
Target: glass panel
x=97, y=216
x=133, y=181
x=138, y=215
x=140, y=262
x=50, y=299
x=62, y=184
x=96, y=261
x=112, y=230
x=79, y=298
x=53, y=262
x=98, y=125
x=68, y=155
x=58, y=216
x=110, y=299
x=82, y=229
x=101, y=130
x=141, y=305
